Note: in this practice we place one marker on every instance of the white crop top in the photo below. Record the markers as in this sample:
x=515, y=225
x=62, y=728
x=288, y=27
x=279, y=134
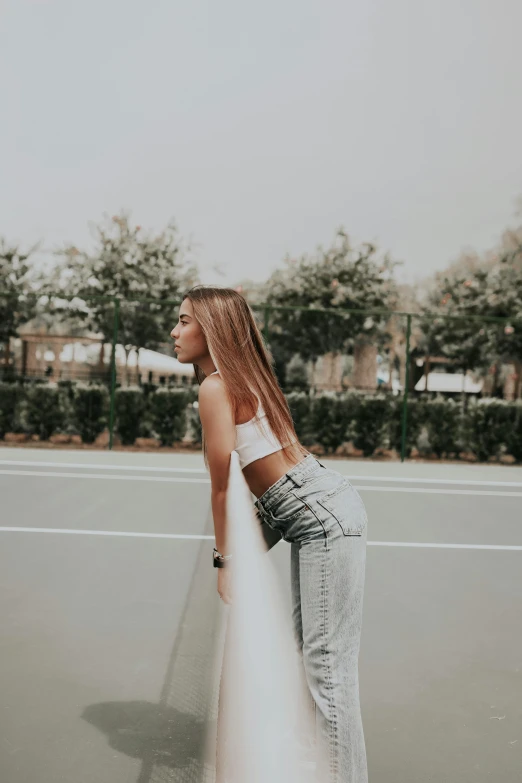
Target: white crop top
x=250, y=444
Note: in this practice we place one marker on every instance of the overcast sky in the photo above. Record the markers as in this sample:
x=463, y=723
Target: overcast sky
x=262, y=127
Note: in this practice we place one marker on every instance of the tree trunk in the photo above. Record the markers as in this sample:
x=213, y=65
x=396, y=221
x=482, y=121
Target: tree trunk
x=493, y=385
x=32, y=364
x=25, y=346
x=391, y=362
x=138, y=374
x=99, y=371
x=427, y=368
x=365, y=366
x=510, y=384
x=327, y=371
x=126, y=366
x=73, y=371
x=464, y=396
x=57, y=349
x=518, y=379
x=333, y=370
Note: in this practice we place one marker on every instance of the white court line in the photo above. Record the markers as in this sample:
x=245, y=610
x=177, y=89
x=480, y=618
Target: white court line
x=169, y=480
x=421, y=490
x=102, y=466
x=211, y=538
x=438, y=481
x=148, y=468
x=49, y=474
x=363, y=488
x=445, y=546
x=101, y=533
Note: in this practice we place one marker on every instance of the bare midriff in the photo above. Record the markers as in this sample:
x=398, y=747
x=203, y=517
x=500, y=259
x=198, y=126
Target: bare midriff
x=262, y=473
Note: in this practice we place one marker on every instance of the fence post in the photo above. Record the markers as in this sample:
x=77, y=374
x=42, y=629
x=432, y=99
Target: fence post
x=113, y=370
x=406, y=390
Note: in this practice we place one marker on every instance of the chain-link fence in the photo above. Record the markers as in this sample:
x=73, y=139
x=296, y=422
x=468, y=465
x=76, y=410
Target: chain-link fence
x=358, y=382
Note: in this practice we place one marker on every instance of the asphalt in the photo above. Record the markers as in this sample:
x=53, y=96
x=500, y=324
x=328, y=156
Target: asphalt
x=111, y=626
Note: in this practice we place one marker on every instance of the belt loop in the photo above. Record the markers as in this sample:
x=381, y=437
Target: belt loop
x=299, y=472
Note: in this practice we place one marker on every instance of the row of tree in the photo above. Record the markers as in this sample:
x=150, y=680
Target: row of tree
x=479, y=307
x=126, y=263
x=131, y=264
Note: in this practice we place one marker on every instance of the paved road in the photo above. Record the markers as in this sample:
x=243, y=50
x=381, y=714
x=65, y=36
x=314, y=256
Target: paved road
x=111, y=626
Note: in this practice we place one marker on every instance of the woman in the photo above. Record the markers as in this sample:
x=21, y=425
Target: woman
x=314, y=508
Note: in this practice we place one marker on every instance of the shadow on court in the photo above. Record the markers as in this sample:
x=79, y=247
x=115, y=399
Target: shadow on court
x=176, y=738
x=159, y=735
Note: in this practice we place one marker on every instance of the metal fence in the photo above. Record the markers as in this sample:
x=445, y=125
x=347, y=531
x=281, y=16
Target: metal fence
x=406, y=355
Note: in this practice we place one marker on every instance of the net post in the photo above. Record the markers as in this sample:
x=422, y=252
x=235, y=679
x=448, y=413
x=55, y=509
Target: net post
x=113, y=370
x=406, y=389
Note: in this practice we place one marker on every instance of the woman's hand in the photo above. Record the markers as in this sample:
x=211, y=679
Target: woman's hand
x=224, y=584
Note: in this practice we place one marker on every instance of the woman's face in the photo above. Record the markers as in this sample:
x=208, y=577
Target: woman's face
x=190, y=343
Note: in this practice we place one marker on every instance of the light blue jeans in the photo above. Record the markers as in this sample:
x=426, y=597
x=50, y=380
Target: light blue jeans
x=322, y=516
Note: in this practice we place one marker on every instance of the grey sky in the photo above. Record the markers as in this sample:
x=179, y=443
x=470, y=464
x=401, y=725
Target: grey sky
x=261, y=127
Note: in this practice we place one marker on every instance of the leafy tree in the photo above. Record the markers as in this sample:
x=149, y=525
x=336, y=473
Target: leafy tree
x=492, y=289
x=454, y=334
x=129, y=264
x=337, y=278
x=17, y=297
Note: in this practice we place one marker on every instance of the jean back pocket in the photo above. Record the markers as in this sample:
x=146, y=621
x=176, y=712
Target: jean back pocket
x=345, y=504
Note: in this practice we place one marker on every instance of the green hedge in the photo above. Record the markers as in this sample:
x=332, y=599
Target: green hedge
x=48, y=409
x=300, y=404
x=328, y=422
x=514, y=439
x=168, y=410
x=90, y=406
x=161, y=414
x=131, y=422
x=9, y=398
x=442, y=419
x=371, y=417
x=45, y=410
x=486, y=428
x=194, y=422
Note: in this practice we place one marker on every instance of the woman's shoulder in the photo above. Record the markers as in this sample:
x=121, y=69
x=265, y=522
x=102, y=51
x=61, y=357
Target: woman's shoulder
x=213, y=395
x=213, y=402
x=212, y=385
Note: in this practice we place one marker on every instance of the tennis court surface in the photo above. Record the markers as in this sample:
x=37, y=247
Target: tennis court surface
x=110, y=620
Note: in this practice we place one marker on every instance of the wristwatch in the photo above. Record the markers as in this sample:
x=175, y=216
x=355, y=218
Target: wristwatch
x=219, y=560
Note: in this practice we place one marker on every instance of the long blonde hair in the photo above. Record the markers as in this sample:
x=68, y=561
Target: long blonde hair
x=238, y=351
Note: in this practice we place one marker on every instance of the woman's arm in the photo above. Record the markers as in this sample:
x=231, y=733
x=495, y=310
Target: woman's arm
x=218, y=423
